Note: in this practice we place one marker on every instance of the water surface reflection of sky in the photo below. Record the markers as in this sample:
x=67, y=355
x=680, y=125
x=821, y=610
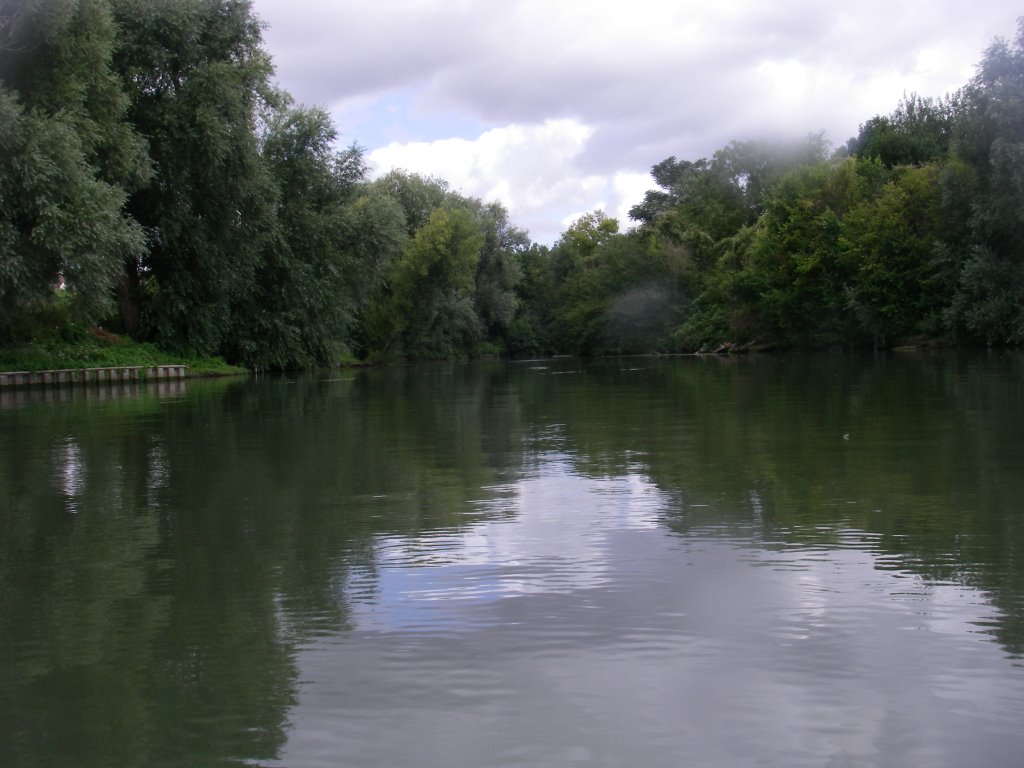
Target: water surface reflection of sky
x=570, y=627
x=541, y=536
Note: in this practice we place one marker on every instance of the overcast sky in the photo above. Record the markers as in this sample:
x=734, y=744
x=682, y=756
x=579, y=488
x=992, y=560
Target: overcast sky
x=558, y=107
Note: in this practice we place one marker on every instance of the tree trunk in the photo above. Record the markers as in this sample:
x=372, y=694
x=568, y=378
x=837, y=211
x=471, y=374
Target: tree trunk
x=128, y=289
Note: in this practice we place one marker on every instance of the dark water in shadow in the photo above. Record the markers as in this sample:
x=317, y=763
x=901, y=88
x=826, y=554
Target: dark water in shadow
x=718, y=562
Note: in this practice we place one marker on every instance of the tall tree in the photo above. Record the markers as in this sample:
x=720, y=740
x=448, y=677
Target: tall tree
x=199, y=80
x=499, y=268
x=900, y=285
x=301, y=307
x=989, y=135
x=67, y=159
x=419, y=196
x=430, y=307
x=580, y=288
x=796, y=271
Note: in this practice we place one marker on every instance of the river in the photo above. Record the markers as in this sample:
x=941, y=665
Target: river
x=752, y=561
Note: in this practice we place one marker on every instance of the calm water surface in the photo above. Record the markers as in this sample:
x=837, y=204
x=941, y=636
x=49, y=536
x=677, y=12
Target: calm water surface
x=713, y=562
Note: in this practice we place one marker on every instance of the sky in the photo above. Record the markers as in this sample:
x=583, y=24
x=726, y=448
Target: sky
x=560, y=107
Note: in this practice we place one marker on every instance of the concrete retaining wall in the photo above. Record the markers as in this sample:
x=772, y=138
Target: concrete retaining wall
x=91, y=375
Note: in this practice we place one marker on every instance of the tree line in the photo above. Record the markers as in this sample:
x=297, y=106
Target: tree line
x=147, y=159
x=913, y=232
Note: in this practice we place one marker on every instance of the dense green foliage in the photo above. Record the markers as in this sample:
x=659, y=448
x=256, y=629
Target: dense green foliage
x=148, y=163
x=60, y=342
x=67, y=160
x=913, y=232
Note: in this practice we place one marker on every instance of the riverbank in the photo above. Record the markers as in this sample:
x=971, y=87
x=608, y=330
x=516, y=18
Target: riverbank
x=96, y=348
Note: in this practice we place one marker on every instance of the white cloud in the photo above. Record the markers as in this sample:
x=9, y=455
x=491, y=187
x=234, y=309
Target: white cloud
x=532, y=169
x=629, y=190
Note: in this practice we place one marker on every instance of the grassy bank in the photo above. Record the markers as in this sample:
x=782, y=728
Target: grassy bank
x=58, y=344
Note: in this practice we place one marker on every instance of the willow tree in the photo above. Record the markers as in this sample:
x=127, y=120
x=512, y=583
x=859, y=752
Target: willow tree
x=329, y=245
x=67, y=160
x=199, y=80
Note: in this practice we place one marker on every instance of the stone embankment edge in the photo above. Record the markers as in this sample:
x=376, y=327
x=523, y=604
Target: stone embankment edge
x=128, y=373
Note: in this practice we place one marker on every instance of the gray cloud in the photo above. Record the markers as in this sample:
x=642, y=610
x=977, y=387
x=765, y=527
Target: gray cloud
x=517, y=63
x=649, y=79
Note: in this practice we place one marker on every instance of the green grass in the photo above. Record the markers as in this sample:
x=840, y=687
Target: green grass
x=54, y=344
x=351, y=361
x=489, y=349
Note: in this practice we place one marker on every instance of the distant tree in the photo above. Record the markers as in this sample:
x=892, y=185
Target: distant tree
x=303, y=303
x=796, y=268
x=900, y=285
x=918, y=131
x=674, y=179
x=418, y=196
x=989, y=135
x=579, y=273
x=700, y=224
x=728, y=191
x=499, y=269
x=529, y=332
x=428, y=310
x=376, y=239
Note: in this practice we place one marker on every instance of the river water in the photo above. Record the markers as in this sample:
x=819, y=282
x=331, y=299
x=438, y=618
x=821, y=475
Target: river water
x=781, y=561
